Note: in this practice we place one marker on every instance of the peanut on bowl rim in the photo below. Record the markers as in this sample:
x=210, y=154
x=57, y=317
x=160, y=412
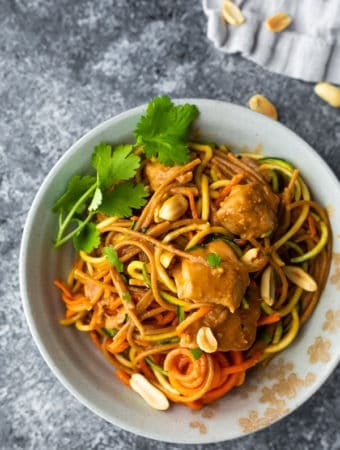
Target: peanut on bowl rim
x=308, y=361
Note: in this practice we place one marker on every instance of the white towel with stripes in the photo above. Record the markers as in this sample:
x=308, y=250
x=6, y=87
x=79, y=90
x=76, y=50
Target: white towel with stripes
x=309, y=49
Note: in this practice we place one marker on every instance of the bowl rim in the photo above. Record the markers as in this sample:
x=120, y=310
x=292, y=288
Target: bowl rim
x=23, y=258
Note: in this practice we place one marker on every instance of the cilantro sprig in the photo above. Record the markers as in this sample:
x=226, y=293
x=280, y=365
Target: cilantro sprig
x=109, y=192
x=163, y=130
x=161, y=133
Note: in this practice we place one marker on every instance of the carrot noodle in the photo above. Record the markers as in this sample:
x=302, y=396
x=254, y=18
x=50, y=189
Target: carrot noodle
x=95, y=339
x=143, y=319
x=195, y=405
x=64, y=290
x=243, y=366
x=192, y=204
x=145, y=369
x=267, y=320
x=291, y=184
x=228, y=382
x=192, y=318
x=227, y=189
x=123, y=376
x=311, y=226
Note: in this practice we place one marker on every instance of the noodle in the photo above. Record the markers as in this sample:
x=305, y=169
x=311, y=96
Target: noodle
x=145, y=316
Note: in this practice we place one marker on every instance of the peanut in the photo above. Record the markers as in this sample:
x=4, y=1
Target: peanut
x=232, y=13
x=206, y=340
x=254, y=259
x=301, y=278
x=268, y=286
x=329, y=93
x=261, y=104
x=173, y=208
x=166, y=258
x=278, y=22
x=153, y=396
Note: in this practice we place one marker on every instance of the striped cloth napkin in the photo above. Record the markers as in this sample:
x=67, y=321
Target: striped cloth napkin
x=309, y=49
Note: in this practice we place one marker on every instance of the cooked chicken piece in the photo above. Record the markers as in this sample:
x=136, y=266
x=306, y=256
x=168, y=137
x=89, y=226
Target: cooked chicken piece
x=224, y=284
x=233, y=331
x=92, y=290
x=108, y=304
x=105, y=311
x=157, y=174
x=249, y=211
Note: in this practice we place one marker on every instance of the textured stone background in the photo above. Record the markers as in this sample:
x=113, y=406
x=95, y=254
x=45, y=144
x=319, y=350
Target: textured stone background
x=64, y=67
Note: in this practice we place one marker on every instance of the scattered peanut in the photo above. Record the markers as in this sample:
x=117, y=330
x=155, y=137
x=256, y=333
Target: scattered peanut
x=153, y=396
x=173, y=208
x=278, y=22
x=268, y=286
x=261, y=104
x=232, y=13
x=166, y=258
x=254, y=259
x=301, y=278
x=329, y=93
x=206, y=340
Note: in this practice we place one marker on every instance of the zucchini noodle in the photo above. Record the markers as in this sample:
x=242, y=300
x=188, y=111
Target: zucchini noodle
x=220, y=259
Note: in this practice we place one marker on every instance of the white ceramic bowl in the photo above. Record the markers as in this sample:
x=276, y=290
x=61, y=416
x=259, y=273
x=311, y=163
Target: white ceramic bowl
x=289, y=380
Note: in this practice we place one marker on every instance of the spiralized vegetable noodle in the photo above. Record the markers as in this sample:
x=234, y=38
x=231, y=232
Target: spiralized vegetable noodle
x=233, y=244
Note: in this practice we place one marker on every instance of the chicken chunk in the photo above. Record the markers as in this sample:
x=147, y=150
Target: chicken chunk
x=158, y=173
x=250, y=210
x=225, y=284
x=233, y=331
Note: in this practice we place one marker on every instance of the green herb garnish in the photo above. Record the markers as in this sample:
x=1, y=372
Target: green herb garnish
x=162, y=133
x=213, y=259
x=112, y=256
x=163, y=130
x=196, y=352
x=108, y=192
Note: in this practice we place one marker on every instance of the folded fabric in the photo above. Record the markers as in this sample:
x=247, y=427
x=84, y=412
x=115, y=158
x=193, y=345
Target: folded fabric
x=309, y=49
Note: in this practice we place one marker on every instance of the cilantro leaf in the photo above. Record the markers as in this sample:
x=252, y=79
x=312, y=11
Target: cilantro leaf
x=196, y=353
x=123, y=198
x=164, y=130
x=87, y=238
x=112, y=256
x=213, y=260
x=76, y=188
x=114, y=165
